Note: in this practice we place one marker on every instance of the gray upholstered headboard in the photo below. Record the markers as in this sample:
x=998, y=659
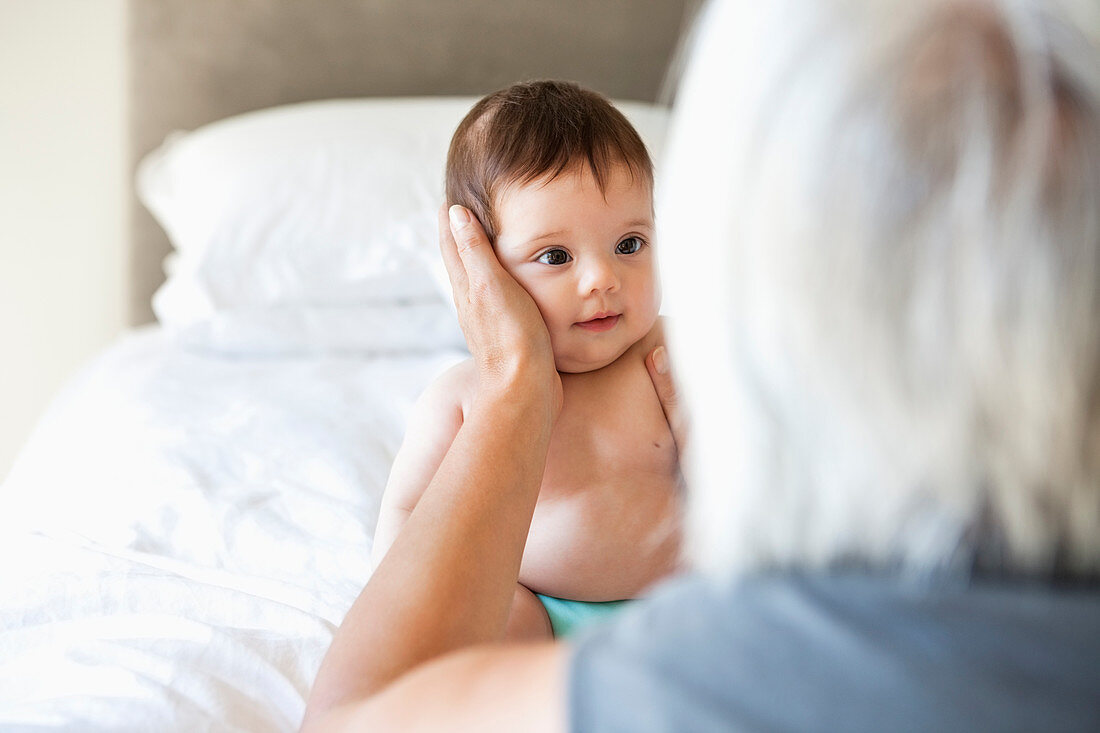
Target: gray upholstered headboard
x=196, y=61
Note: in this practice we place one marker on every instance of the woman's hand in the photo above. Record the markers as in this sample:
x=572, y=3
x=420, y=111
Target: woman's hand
x=426, y=600
x=657, y=363
x=503, y=327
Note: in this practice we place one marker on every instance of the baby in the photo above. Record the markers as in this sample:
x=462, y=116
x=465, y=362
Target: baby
x=563, y=186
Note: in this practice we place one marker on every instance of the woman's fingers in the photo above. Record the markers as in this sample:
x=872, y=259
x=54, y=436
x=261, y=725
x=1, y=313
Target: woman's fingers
x=657, y=363
x=503, y=327
x=471, y=242
x=456, y=272
x=467, y=253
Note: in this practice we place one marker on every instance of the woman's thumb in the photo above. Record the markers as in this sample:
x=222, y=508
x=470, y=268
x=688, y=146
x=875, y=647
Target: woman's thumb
x=662, y=381
x=657, y=364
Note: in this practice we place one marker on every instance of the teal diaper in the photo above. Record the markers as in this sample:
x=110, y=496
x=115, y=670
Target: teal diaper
x=567, y=617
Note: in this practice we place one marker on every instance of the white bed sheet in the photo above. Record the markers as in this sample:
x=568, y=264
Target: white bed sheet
x=183, y=533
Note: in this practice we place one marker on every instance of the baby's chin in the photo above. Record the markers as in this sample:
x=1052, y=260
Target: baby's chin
x=567, y=364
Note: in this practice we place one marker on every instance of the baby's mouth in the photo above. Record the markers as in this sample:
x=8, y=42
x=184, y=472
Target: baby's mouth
x=600, y=323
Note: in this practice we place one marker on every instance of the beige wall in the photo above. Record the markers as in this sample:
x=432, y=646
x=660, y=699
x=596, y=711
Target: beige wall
x=63, y=206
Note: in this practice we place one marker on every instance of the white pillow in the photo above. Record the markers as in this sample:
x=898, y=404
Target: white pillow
x=296, y=228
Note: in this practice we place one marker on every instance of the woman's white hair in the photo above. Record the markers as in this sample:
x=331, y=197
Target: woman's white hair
x=882, y=257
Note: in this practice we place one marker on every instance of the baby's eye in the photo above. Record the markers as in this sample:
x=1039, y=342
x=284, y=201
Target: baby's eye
x=629, y=246
x=554, y=257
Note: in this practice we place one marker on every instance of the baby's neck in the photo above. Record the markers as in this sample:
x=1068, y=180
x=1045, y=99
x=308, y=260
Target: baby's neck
x=610, y=365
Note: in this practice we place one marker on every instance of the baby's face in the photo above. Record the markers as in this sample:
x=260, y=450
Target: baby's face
x=586, y=257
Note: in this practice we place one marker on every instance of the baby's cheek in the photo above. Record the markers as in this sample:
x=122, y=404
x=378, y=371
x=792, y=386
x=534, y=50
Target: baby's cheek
x=549, y=317
x=549, y=305
x=535, y=291
x=649, y=303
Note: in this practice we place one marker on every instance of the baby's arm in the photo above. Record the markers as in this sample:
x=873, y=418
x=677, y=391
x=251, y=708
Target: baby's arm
x=432, y=428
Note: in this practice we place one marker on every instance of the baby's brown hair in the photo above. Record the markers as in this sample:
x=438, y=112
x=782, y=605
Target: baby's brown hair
x=528, y=130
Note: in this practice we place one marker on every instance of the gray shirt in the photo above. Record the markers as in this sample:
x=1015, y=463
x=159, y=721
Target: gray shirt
x=843, y=653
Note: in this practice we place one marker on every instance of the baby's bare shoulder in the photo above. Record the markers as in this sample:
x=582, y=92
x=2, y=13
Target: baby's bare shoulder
x=453, y=388
x=461, y=376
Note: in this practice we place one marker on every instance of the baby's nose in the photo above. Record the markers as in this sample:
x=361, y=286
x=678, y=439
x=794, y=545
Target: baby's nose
x=599, y=275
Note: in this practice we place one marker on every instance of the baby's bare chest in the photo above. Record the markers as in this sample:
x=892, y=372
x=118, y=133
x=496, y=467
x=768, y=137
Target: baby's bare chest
x=611, y=433
x=605, y=524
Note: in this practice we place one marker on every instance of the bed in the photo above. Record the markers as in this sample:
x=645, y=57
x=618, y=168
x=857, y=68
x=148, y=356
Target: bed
x=193, y=514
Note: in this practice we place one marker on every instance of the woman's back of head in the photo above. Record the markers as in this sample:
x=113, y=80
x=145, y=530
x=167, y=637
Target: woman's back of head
x=899, y=225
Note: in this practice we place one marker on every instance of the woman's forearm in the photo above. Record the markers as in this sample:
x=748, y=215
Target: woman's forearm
x=449, y=577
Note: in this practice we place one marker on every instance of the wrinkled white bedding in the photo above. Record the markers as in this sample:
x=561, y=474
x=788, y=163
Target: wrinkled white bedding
x=182, y=534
